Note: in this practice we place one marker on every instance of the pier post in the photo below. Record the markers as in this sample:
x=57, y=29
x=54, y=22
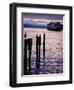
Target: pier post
x=43, y=52
x=38, y=45
x=29, y=42
x=25, y=57
x=44, y=45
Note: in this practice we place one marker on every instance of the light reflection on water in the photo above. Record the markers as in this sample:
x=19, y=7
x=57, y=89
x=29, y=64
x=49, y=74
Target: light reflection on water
x=53, y=62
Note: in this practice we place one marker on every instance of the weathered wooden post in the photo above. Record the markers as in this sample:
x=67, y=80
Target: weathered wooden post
x=39, y=49
x=38, y=45
x=25, y=55
x=29, y=42
x=36, y=54
x=44, y=45
x=43, y=52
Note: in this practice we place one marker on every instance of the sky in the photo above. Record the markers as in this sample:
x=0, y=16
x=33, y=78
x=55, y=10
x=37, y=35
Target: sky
x=43, y=16
x=42, y=19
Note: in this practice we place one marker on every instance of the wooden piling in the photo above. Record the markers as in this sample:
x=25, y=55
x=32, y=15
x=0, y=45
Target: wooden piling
x=25, y=57
x=38, y=45
x=43, y=52
x=44, y=45
x=29, y=54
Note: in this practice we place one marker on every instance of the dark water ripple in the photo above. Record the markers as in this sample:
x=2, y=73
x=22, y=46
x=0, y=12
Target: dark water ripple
x=53, y=62
x=47, y=66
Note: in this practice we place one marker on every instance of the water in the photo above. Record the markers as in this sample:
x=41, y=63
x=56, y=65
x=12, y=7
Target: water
x=53, y=62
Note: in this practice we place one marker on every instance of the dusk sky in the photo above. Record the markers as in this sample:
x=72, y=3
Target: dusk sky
x=43, y=16
x=42, y=19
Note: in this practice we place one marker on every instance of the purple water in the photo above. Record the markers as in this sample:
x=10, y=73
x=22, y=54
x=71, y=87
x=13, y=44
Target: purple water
x=53, y=62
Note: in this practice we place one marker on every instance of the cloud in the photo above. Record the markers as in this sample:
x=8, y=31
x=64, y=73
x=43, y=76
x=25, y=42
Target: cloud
x=39, y=20
x=33, y=20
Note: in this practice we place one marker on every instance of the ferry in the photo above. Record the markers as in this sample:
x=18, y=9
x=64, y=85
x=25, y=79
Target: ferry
x=55, y=26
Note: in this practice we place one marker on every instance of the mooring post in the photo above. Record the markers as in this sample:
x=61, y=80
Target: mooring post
x=29, y=54
x=39, y=49
x=36, y=54
x=43, y=52
x=38, y=45
x=44, y=45
x=25, y=57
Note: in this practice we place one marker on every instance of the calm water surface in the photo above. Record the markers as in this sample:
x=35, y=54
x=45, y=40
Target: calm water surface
x=53, y=62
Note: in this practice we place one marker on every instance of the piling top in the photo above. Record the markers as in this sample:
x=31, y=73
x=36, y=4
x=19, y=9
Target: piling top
x=25, y=35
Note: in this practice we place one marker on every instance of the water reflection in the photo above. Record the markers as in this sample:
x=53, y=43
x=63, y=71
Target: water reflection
x=53, y=62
